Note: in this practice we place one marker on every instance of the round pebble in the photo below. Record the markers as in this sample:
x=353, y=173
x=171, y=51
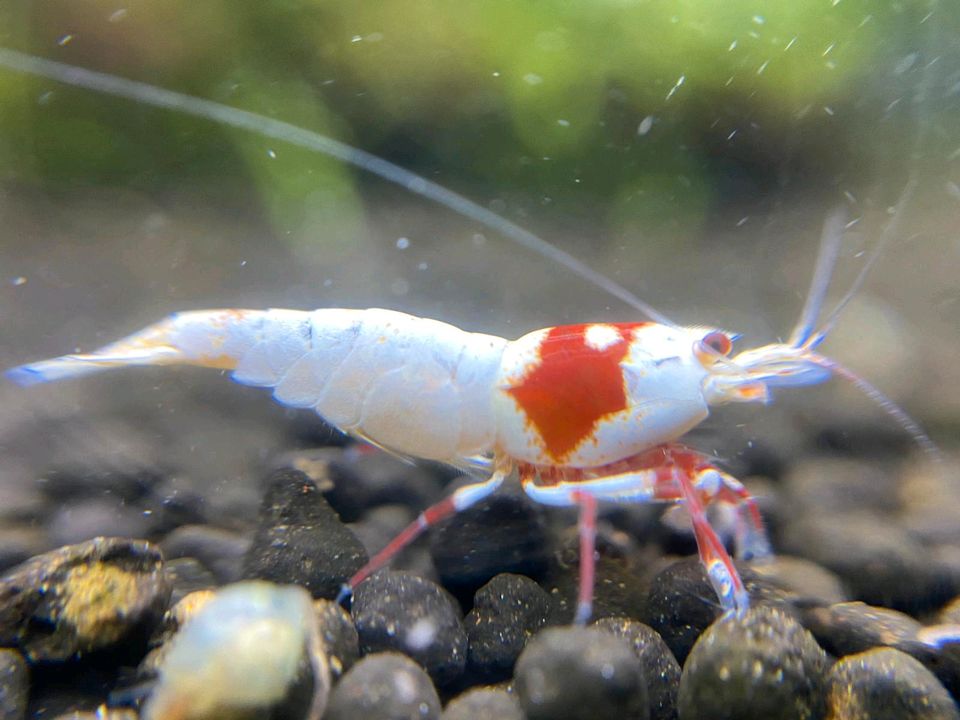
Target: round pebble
x=340, y=640
x=576, y=673
x=187, y=575
x=81, y=598
x=14, y=685
x=483, y=704
x=758, y=665
x=886, y=684
x=847, y=628
x=660, y=668
x=506, y=612
x=220, y=551
x=504, y=533
x=300, y=540
x=407, y=614
x=384, y=686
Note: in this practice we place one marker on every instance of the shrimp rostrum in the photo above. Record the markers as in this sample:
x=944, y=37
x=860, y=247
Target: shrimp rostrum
x=582, y=413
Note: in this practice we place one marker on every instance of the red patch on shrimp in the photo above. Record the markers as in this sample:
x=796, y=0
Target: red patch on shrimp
x=574, y=384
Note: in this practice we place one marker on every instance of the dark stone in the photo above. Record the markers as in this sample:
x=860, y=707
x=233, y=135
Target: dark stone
x=63, y=485
x=576, y=673
x=83, y=597
x=620, y=579
x=849, y=628
x=483, y=704
x=385, y=686
x=886, y=684
x=758, y=665
x=504, y=533
x=381, y=525
x=830, y=486
x=682, y=603
x=506, y=612
x=186, y=575
x=876, y=559
x=219, y=551
x=340, y=640
x=407, y=614
x=804, y=582
x=660, y=668
x=300, y=540
x=14, y=685
x=78, y=521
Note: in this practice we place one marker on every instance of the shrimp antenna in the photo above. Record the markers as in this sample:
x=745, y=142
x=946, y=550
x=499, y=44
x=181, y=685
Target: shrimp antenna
x=830, y=239
x=285, y=132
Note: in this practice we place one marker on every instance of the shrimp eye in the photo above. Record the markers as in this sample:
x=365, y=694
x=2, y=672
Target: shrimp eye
x=718, y=342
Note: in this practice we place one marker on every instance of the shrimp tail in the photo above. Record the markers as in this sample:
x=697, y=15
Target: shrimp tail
x=207, y=338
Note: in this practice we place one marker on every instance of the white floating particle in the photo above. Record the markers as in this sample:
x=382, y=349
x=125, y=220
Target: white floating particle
x=18, y=281
x=953, y=190
x=532, y=79
x=403, y=243
x=680, y=81
x=117, y=15
x=496, y=73
x=829, y=49
x=763, y=66
x=479, y=239
x=563, y=123
x=743, y=221
x=645, y=125
x=790, y=44
x=423, y=266
x=271, y=154
x=732, y=46
x=65, y=39
x=828, y=110
x=906, y=63
x=375, y=37
x=243, y=263
x=758, y=20
x=356, y=39
x=399, y=287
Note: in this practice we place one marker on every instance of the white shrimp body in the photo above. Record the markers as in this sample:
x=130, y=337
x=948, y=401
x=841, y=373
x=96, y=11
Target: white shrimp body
x=412, y=385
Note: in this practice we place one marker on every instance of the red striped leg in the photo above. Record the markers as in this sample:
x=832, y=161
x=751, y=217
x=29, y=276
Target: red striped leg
x=459, y=500
x=588, y=541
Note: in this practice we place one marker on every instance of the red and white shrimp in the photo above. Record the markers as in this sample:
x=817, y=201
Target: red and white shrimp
x=582, y=413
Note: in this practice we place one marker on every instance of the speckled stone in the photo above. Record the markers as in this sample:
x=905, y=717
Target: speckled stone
x=14, y=685
x=660, y=668
x=759, y=665
x=886, y=684
x=483, y=704
x=339, y=635
x=81, y=598
x=384, y=686
x=506, y=612
x=576, y=673
x=405, y=613
x=300, y=540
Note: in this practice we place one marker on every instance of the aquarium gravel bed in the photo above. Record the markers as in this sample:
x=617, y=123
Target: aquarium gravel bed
x=852, y=619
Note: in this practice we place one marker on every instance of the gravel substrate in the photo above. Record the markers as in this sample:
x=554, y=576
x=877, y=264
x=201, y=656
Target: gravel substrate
x=830, y=633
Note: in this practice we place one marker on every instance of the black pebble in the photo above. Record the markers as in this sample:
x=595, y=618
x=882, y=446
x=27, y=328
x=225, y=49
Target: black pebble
x=300, y=540
x=340, y=639
x=219, y=551
x=576, y=673
x=14, y=685
x=660, y=668
x=187, y=575
x=483, y=704
x=847, y=628
x=407, y=614
x=681, y=603
x=886, y=684
x=876, y=558
x=756, y=666
x=385, y=686
x=506, y=612
x=502, y=533
x=82, y=598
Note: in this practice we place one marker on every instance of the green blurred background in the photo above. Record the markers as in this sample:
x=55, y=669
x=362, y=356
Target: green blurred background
x=689, y=149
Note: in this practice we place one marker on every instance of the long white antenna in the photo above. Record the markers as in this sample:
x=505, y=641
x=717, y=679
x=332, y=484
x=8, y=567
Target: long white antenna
x=279, y=130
